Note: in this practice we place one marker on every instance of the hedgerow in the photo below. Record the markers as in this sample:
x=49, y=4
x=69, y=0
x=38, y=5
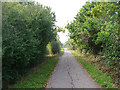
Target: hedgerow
x=54, y=47
x=96, y=29
x=27, y=29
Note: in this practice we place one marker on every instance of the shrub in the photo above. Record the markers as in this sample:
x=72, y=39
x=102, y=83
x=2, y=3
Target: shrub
x=27, y=29
x=54, y=46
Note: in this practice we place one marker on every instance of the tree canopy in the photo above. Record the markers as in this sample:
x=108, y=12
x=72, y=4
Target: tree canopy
x=96, y=29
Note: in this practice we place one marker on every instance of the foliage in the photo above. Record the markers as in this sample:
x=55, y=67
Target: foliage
x=59, y=29
x=70, y=44
x=96, y=29
x=39, y=75
x=27, y=29
x=54, y=46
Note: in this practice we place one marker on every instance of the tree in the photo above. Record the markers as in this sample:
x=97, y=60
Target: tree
x=27, y=29
x=96, y=29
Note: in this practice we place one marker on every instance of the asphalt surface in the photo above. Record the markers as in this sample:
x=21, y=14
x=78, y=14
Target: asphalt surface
x=70, y=74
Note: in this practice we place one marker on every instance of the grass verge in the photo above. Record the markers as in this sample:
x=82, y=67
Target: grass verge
x=102, y=78
x=38, y=76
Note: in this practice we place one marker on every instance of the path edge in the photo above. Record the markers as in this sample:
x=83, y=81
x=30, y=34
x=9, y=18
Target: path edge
x=87, y=72
x=46, y=85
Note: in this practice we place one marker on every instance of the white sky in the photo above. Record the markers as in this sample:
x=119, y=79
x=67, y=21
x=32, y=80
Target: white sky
x=65, y=11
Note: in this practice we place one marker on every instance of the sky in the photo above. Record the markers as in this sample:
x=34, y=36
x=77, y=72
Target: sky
x=65, y=11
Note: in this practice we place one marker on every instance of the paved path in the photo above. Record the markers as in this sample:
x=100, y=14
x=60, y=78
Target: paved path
x=70, y=74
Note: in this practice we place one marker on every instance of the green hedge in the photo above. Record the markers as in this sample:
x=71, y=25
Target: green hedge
x=27, y=29
x=54, y=46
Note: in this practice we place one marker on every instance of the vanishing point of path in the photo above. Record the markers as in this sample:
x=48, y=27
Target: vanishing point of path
x=70, y=74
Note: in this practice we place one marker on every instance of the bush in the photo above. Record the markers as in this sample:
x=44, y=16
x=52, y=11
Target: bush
x=54, y=47
x=27, y=29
